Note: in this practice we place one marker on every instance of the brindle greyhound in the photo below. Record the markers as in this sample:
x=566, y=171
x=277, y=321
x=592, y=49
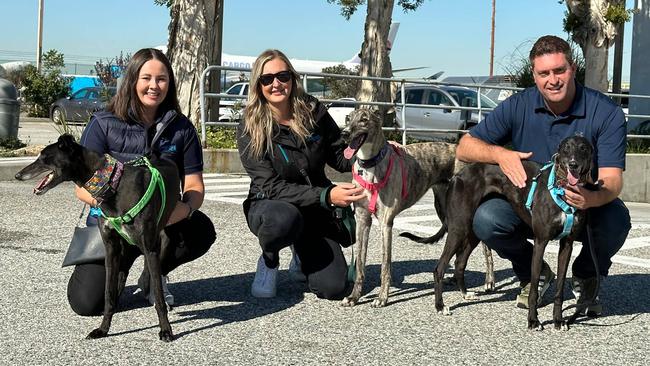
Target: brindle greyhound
x=119, y=193
x=571, y=165
x=394, y=179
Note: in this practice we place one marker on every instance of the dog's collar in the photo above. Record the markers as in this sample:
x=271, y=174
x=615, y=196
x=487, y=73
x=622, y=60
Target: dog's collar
x=105, y=179
x=375, y=159
x=556, y=193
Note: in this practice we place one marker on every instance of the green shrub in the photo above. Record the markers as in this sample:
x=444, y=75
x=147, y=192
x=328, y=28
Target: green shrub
x=8, y=145
x=221, y=137
x=45, y=87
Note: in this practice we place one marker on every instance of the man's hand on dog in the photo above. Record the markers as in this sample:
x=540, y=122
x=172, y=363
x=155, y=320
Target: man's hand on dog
x=510, y=163
x=344, y=194
x=579, y=196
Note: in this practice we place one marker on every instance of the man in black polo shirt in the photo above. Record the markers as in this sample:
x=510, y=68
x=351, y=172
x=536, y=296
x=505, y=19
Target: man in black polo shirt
x=533, y=122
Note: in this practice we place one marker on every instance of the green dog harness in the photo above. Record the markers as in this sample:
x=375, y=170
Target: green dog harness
x=156, y=181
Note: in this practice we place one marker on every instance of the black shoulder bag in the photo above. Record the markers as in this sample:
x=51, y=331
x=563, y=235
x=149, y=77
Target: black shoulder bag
x=86, y=245
x=345, y=227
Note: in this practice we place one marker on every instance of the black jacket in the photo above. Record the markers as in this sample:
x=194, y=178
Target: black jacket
x=295, y=171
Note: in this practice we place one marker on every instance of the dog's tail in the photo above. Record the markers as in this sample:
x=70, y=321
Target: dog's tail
x=430, y=240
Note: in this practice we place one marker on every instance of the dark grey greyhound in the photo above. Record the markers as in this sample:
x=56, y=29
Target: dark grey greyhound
x=119, y=189
x=571, y=165
x=394, y=179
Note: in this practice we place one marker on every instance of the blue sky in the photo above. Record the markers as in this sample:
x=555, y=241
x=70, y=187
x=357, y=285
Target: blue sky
x=445, y=35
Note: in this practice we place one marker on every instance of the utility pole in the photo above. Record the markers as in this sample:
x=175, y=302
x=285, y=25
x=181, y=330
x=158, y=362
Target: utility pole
x=494, y=8
x=618, y=61
x=39, y=41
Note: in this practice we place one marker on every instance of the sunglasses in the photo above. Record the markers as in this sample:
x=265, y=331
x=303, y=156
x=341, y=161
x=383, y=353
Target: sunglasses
x=282, y=76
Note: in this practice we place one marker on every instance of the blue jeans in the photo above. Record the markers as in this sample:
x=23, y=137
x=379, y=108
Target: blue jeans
x=499, y=227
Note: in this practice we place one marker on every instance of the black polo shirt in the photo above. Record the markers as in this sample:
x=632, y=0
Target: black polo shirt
x=524, y=121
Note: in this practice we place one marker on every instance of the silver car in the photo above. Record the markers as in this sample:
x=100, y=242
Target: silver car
x=443, y=118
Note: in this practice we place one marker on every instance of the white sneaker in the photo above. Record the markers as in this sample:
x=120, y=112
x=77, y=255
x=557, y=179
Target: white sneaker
x=295, y=268
x=265, y=281
x=169, y=298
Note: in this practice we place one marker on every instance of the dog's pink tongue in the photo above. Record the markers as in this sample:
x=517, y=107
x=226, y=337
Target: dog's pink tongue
x=42, y=183
x=349, y=152
x=572, y=180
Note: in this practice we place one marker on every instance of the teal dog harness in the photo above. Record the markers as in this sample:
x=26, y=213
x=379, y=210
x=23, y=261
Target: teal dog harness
x=556, y=194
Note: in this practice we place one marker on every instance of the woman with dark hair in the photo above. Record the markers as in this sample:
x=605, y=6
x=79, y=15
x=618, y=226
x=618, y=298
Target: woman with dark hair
x=143, y=116
x=284, y=142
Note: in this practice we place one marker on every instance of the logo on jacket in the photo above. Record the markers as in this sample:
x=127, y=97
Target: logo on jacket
x=166, y=146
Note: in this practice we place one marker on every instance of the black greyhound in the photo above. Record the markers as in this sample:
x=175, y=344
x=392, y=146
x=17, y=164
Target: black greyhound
x=571, y=165
x=120, y=191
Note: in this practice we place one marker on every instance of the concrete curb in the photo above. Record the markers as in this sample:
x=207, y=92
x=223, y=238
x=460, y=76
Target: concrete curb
x=636, y=176
x=10, y=166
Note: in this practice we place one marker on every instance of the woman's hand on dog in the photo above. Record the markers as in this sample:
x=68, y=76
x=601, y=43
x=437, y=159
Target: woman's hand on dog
x=344, y=194
x=510, y=163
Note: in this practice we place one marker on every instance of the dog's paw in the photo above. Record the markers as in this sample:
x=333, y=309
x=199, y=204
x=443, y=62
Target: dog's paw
x=561, y=325
x=470, y=295
x=166, y=335
x=535, y=325
x=489, y=287
x=379, y=303
x=348, y=302
x=96, y=333
x=445, y=311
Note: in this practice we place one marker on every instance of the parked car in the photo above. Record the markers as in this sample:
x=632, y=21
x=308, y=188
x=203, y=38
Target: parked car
x=339, y=111
x=445, y=119
x=81, y=105
x=230, y=108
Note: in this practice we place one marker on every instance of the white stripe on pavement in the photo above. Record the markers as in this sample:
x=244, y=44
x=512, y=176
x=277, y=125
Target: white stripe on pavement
x=225, y=187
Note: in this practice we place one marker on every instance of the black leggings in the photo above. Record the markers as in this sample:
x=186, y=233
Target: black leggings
x=278, y=224
x=182, y=242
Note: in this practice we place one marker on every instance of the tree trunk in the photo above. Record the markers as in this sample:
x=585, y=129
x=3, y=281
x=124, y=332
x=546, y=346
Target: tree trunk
x=596, y=67
x=594, y=35
x=195, y=43
x=374, y=53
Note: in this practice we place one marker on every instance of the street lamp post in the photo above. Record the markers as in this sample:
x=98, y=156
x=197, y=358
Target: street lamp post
x=492, y=39
x=39, y=42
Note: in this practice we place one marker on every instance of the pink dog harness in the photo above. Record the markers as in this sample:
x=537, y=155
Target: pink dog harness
x=374, y=188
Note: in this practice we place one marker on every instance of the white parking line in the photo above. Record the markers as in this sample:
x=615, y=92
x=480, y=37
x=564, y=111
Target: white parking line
x=227, y=187
x=620, y=259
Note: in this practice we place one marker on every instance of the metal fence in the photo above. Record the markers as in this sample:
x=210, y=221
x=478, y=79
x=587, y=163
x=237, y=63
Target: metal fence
x=401, y=85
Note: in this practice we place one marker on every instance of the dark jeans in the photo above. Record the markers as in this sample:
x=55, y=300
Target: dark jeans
x=499, y=227
x=278, y=224
x=182, y=242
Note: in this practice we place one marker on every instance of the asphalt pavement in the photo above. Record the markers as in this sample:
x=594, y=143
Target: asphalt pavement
x=217, y=321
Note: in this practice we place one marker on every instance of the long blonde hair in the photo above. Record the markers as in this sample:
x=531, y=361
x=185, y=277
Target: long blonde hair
x=258, y=115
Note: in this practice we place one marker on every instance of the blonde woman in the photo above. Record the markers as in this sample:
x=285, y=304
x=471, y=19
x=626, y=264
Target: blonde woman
x=284, y=142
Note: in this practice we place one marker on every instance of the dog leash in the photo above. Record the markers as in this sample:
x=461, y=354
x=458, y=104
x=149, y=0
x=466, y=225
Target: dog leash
x=374, y=188
x=156, y=180
x=556, y=194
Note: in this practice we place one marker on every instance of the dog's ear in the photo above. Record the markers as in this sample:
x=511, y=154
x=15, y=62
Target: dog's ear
x=66, y=142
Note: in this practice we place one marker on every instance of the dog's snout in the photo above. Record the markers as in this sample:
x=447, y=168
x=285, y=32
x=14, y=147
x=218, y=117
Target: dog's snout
x=573, y=164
